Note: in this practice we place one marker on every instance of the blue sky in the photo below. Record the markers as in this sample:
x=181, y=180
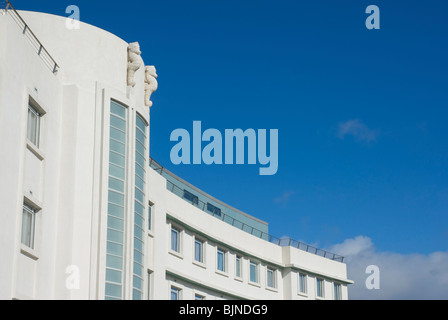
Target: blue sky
x=361, y=114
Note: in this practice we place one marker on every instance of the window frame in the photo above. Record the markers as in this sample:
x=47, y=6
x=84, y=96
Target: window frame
x=178, y=250
x=274, y=278
x=195, y=199
x=337, y=291
x=240, y=269
x=257, y=272
x=178, y=292
x=150, y=213
x=33, y=211
x=216, y=212
x=320, y=288
x=202, y=253
x=37, y=111
x=224, y=261
x=305, y=284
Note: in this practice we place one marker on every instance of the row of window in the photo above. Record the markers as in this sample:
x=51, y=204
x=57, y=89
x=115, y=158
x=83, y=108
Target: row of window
x=190, y=197
x=254, y=267
x=320, y=287
x=222, y=257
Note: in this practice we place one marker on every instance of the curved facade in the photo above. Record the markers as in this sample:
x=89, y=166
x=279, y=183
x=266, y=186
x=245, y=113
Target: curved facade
x=86, y=212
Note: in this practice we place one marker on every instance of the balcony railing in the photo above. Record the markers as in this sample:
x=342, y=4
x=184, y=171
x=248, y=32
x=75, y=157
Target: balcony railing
x=6, y=8
x=282, y=242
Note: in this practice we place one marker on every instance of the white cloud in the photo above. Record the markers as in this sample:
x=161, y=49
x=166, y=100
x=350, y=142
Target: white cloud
x=402, y=276
x=358, y=130
x=284, y=198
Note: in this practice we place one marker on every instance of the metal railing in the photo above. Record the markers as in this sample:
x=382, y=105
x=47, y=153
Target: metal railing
x=282, y=242
x=7, y=8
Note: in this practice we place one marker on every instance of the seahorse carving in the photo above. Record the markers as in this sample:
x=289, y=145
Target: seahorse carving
x=151, y=84
x=134, y=62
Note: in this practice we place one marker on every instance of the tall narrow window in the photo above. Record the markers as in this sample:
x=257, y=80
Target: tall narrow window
x=199, y=251
x=270, y=278
x=238, y=267
x=150, y=217
x=116, y=202
x=28, y=225
x=337, y=291
x=302, y=283
x=221, y=260
x=175, y=240
x=320, y=287
x=139, y=207
x=253, y=270
x=33, y=128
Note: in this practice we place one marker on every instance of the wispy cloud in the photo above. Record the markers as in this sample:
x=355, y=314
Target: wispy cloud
x=358, y=130
x=402, y=276
x=284, y=198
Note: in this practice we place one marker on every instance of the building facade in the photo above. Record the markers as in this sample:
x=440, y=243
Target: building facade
x=87, y=214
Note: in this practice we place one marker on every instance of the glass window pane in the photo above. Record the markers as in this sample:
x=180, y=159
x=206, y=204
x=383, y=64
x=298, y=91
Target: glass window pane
x=113, y=276
x=175, y=294
x=114, y=262
x=116, y=171
x=117, y=146
x=238, y=267
x=113, y=290
x=115, y=236
x=116, y=198
x=28, y=228
x=118, y=109
x=117, y=159
x=114, y=249
x=140, y=148
x=139, y=195
x=117, y=123
x=116, y=184
x=141, y=123
x=198, y=251
x=115, y=210
x=221, y=262
x=174, y=240
x=149, y=217
x=137, y=295
x=118, y=135
x=253, y=272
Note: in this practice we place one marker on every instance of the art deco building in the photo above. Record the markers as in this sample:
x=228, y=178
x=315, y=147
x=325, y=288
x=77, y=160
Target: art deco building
x=87, y=214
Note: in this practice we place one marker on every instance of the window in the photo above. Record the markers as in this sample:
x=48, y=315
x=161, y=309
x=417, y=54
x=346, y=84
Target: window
x=149, y=287
x=337, y=291
x=191, y=197
x=150, y=216
x=253, y=272
x=28, y=225
x=175, y=239
x=320, y=287
x=302, y=283
x=198, y=297
x=214, y=210
x=33, y=129
x=271, y=279
x=175, y=293
x=117, y=198
x=199, y=250
x=238, y=267
x=221, y=260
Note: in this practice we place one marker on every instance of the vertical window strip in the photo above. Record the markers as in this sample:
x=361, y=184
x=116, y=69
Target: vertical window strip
x=116, y=203
x=139, y=211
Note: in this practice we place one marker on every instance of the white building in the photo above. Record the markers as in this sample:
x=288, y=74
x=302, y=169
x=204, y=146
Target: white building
x=87, y=214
